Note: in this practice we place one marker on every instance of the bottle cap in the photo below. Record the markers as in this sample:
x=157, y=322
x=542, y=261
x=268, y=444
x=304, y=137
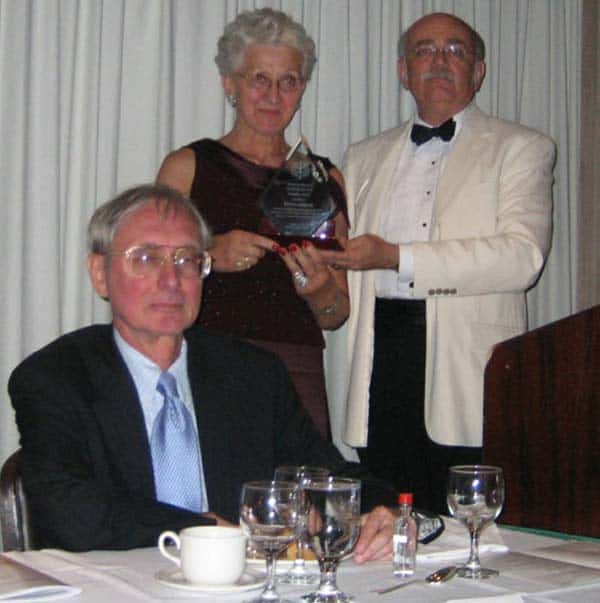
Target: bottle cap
x=405, y=498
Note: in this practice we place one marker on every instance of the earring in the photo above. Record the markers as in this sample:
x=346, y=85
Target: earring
x=232, y=100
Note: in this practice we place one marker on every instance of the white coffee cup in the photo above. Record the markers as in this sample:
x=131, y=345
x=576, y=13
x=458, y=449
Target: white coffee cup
x=211, y=555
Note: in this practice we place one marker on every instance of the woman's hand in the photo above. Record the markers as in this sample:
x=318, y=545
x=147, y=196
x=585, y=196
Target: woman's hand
x=324, y=289
x=309, y=272
x=238, y=250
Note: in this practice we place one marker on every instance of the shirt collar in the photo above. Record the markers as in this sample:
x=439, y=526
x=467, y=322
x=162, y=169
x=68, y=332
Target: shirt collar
x=459, y=118
x=145, y=372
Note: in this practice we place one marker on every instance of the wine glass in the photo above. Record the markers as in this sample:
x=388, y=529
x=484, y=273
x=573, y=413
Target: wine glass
x=302, y=475
x=269, y=517
x=332, y=529
x=475, y=497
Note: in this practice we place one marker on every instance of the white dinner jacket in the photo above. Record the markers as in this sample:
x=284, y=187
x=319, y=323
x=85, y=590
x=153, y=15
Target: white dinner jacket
x=490, y=235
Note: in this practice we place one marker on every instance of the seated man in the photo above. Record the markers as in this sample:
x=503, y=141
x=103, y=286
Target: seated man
x=140, y=426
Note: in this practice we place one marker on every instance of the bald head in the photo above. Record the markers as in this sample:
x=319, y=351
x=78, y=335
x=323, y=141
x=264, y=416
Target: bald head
x=476, y=39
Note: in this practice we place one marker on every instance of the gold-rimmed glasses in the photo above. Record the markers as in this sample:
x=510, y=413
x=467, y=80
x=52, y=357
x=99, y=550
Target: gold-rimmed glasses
x=453, y=50
x=261, y=82
x=148, y=260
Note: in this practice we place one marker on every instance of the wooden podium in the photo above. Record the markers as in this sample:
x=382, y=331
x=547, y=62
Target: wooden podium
x=542, y=424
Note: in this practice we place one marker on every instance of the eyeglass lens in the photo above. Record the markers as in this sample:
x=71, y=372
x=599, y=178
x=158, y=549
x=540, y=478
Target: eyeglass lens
x=454, y=50
x=188, y=261
x=261, y=81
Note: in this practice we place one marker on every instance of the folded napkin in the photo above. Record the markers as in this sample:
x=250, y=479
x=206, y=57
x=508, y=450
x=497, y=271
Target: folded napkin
x=95, y=571
x=454, y=543
x=19, y=582
x=492, y=599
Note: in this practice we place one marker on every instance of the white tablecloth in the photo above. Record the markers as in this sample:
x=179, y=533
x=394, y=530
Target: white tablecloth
x=570, y=575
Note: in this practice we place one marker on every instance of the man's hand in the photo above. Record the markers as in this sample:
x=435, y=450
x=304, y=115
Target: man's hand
x=376, y=534
x=220, y=521
x=365, y=252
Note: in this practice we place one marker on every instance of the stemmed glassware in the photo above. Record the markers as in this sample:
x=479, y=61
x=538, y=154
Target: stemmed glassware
x=302, y=475
x=332, y=529
x=475, y=497
x=269, y=517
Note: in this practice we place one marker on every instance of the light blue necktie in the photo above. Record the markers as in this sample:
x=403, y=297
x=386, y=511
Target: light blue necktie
x=174, y=446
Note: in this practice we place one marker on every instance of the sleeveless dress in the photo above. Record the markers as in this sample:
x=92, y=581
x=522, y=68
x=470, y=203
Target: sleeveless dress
x=259, y=304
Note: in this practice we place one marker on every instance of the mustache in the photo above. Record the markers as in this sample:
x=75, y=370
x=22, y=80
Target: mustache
x=439, y=74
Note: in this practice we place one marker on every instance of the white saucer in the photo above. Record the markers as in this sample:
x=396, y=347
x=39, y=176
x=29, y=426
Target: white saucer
x=173, y=576
x=282, y=565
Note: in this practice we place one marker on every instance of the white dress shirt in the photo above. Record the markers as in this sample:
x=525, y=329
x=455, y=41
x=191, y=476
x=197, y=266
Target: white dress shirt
x=407, y=217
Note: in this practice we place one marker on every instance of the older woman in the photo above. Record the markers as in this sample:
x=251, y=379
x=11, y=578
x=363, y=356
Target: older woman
x=265, y=60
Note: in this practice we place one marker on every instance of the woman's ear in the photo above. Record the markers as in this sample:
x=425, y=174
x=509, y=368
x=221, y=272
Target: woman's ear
x=228, y=85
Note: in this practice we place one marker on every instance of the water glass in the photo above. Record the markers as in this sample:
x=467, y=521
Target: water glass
x=475, y=497
x=302, y=475
x=332, y=529
x=269, y=517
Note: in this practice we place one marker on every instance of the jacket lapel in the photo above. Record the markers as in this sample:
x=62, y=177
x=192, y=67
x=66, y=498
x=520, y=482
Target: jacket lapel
x=214, y=422
x=120, y=417
x=470, y=144
x=374, y=193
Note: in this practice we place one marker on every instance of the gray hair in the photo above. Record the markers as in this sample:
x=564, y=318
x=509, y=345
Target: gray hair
x=264, y=26
x=476, y=39
x=107, y=218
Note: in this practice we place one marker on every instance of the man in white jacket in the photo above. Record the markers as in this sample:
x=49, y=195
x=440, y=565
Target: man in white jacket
x=450, y=225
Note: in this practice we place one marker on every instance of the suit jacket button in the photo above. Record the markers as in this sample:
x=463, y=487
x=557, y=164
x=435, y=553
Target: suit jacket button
x=453, y=291
x=446, y=291
x=438, y=291
x=431, y=292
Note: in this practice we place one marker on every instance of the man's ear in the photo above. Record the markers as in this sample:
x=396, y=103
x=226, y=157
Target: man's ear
x=402, y=70
x=96, y=265
x=478, y=74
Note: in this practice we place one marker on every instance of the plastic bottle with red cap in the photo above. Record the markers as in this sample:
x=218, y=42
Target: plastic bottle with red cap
x=405, y=538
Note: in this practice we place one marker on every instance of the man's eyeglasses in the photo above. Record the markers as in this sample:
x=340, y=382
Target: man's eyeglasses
x=262, y=82
x=148, y=260
x=454, y=50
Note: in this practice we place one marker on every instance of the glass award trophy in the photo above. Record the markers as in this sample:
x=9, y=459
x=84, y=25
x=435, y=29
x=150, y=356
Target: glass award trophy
x=297, y=204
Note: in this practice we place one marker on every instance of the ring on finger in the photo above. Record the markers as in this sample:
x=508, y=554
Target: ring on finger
x=300, y=279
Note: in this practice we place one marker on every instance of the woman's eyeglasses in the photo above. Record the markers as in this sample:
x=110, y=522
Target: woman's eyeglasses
x=262, y=82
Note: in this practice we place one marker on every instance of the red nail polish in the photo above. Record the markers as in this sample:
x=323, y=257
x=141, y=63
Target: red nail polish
x=305, y=244
x=281, y=250
x=275, y=248
x=293, y=247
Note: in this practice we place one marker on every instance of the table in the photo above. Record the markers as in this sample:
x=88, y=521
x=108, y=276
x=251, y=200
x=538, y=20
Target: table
x=128, y=576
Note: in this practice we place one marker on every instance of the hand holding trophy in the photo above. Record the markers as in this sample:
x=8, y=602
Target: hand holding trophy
x=297, y=203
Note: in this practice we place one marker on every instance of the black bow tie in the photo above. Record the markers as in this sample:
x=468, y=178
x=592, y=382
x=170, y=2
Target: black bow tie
x=420, y=134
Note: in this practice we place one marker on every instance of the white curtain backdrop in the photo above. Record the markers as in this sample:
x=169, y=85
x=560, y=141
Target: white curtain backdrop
x=94, y=93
